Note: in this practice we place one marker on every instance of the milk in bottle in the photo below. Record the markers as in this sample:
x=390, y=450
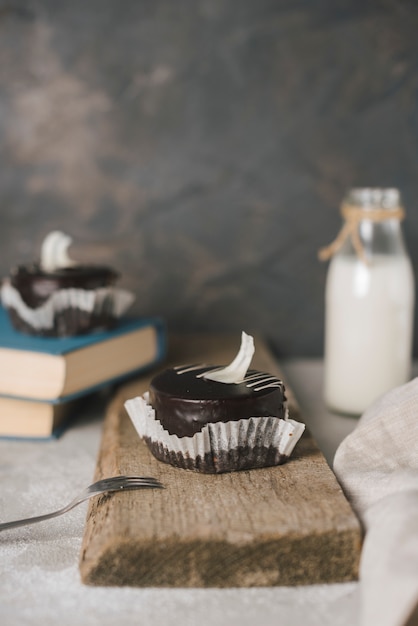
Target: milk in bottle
x=369, y=303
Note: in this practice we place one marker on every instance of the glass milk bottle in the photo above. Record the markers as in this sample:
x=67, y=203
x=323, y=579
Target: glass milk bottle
x=369, y=302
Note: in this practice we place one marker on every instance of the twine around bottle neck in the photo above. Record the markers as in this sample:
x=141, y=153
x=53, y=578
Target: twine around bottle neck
x=353, y=215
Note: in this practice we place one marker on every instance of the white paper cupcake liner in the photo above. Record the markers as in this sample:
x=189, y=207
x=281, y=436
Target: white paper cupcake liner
x=115, y=301
x=216, y=448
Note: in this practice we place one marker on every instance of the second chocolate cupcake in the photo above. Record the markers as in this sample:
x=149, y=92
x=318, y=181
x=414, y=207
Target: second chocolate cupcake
x=57, y=297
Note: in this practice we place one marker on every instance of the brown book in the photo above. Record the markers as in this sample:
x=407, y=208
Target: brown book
x=33, y=419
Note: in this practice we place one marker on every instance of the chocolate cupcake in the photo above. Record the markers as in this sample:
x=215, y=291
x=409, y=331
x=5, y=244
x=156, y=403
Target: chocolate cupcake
x=57, y=297
x=213, y=420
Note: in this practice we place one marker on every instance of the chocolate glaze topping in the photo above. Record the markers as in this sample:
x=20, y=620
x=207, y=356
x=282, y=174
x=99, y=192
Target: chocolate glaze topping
x=36, y=285
x=184, y=402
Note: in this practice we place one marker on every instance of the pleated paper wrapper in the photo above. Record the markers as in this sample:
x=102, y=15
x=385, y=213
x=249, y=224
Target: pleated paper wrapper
x=84, y=304
x=218, y=447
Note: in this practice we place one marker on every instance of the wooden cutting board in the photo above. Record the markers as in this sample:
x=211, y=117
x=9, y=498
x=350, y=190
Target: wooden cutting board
x=285, y=525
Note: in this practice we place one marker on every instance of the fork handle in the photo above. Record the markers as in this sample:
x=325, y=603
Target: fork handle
x=32, y=520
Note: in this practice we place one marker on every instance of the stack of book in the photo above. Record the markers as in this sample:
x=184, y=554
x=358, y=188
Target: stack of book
x=41, y=379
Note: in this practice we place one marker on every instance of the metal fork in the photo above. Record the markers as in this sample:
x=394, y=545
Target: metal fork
x=107, y=485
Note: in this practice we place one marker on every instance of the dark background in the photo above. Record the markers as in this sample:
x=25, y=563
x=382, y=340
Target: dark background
x=203, y=147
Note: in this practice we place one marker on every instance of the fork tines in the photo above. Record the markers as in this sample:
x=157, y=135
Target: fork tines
x=126, y=482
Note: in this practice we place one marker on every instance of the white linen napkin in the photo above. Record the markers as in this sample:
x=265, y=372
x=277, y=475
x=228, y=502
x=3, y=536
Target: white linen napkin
x=377, y=467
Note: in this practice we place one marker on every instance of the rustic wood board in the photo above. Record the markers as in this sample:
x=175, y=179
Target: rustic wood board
x=286, y=525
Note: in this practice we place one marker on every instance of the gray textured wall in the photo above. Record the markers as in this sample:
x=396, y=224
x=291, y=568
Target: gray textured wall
x=203, y=146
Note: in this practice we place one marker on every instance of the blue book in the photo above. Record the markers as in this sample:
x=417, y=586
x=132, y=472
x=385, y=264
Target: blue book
x=55, y=371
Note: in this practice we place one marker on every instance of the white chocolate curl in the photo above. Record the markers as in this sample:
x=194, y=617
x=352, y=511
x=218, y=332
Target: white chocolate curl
x=54, y=251
x=235, y=371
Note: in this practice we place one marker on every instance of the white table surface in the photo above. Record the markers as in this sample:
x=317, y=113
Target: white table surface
x=39, y=576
